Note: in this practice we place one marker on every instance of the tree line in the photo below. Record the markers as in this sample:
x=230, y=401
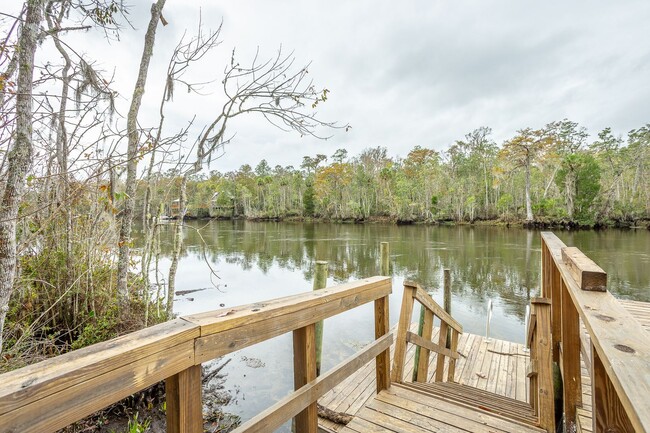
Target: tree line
x=554, y=174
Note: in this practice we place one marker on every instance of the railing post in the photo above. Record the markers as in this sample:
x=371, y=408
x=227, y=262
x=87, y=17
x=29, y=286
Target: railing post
x=406, y=311
x=183, y=400
x=304, y=371
x=570, y=358
x=545, y=395
x=382, y=327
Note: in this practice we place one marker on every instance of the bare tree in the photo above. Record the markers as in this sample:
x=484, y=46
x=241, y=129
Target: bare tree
x=132, y=151
x=20, y=155
x=273, y=89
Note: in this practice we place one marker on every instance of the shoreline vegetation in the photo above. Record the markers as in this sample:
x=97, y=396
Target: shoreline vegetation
x=536, y=224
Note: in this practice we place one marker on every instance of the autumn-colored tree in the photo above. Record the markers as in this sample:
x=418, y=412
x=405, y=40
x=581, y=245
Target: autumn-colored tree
x=522, y=152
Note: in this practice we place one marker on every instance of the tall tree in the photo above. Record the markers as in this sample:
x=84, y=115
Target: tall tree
x=133, y=149
x=522, y=152
x=19, y=157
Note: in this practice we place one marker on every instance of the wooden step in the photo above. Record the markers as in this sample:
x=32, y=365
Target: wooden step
x=405, y=409
x=479, y=399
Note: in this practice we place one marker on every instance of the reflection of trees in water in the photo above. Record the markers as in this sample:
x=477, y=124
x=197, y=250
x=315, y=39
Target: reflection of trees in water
x=486, y=262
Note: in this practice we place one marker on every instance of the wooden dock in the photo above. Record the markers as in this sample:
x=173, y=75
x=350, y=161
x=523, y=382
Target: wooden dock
x=496, y=366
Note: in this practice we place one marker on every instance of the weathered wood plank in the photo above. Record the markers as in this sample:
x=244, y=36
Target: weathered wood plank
x=37, y=381
x=243, y=316
x=58, y=409
x=544, y=356
x=425, y=299
x=451, y=372
x=254, y=331
x=440, y=359
x=406, y=312
x=382, y=327
x=304, y=371
x=609, y=414
x=586, y=273
x=621, y=342
x=570, y=362
x=414, y=338
x=423, y=361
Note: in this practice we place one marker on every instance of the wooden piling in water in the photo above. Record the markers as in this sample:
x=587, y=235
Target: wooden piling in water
x=384, y=252
x=320, y=281
x=447, y=299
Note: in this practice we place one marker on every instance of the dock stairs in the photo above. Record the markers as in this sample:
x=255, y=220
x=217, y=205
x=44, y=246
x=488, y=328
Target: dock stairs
x=441, y=405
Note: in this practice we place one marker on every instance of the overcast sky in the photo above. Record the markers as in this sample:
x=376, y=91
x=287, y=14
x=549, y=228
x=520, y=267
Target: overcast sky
x=408, y=73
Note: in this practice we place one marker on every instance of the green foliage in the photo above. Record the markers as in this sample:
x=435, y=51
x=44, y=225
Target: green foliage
x=98, y=329
x=579, y=177
x=566, y=176
x=137, y=426
x=308, y=200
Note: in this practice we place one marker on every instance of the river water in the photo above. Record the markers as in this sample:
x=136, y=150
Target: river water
x=240, y=262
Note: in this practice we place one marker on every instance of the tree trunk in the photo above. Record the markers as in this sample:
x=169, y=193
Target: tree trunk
x=132, y=152
x=570, y=187
x=529, y=207
x=20, y=156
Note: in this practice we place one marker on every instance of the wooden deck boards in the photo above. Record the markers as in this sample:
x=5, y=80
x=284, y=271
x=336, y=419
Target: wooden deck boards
x=502, y=371
x=402, y=409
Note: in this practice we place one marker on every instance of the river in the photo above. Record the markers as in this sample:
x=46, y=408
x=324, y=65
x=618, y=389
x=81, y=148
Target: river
x=254, y=261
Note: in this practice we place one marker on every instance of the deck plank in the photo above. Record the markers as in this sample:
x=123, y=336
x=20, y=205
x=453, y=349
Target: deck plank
x=401, y=409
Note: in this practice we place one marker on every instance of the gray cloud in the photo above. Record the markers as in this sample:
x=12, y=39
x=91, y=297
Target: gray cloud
x=414, y=73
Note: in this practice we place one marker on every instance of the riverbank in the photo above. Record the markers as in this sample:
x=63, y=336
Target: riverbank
x=540, y=223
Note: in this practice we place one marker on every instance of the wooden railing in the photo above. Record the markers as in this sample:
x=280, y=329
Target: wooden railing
x=413, y=292
x=52, y=394
x=618, y=351
x=540, y=369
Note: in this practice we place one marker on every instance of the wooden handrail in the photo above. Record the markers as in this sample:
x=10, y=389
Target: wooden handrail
x=413, y=292
x=54, y=393
x=423, y=298
x=619, y=344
